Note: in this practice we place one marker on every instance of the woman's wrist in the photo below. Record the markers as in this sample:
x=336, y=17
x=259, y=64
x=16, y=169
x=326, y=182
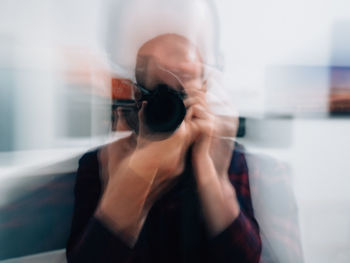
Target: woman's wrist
x=122, y=206
x=143, y=166
x=204, y=169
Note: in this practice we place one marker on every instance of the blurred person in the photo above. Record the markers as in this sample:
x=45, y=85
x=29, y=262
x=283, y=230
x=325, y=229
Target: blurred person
x=180, y=197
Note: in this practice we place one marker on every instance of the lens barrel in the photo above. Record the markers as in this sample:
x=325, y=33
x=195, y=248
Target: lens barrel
x=165, y=109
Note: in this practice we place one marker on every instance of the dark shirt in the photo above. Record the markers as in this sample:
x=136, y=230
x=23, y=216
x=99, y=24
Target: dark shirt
x=174, y=230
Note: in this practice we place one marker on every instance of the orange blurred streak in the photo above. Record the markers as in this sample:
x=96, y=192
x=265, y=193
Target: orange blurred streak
x=84, y=68
x=122, y=89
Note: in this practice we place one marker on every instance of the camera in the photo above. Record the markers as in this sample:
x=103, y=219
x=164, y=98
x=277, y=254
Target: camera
x=165, y=109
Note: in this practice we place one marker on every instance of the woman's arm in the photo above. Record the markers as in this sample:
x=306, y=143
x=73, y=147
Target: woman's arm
x=227, y=206
x=90, y=240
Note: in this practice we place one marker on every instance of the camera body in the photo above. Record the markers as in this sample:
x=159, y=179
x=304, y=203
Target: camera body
x=165, y=109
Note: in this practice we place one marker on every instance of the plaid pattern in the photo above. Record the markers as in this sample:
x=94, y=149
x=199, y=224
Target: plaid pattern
x=174, y=230
x=276, y=209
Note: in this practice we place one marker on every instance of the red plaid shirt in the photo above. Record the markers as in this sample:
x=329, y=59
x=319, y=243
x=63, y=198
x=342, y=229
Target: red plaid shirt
x=174, y=231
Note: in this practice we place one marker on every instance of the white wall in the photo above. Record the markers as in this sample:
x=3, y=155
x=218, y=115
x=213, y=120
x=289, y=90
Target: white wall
x=317, y=156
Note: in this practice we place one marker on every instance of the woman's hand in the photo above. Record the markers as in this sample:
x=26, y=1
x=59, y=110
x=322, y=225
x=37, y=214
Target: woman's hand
x=200, y=120
x=165, y=155
x=211, y=157
x=138, y=171
x=211, y=135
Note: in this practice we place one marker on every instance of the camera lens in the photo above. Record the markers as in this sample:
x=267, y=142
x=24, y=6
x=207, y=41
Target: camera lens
x=165, y=109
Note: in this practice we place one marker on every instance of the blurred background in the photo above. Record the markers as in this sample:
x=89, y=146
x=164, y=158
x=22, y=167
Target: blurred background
x=286, y=69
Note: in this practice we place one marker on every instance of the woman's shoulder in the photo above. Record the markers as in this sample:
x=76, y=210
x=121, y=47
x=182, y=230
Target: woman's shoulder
x=94, y=161
x=96, y=157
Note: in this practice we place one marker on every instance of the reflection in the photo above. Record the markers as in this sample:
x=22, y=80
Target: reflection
x=181, y=188
x=60, y=98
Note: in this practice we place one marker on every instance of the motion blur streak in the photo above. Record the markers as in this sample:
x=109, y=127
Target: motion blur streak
x=282, y=68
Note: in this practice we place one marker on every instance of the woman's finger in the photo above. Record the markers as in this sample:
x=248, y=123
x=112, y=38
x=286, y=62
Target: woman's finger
x=198, y=111
x=195, y=100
